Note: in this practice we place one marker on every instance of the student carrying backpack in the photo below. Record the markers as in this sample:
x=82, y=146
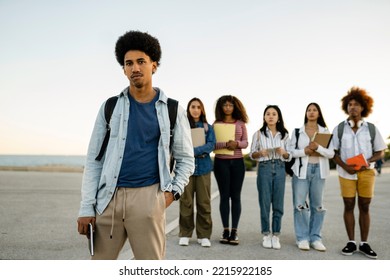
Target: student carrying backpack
x=109, y=109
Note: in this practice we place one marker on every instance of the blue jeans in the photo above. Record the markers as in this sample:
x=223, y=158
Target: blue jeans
x=271, y=180
x=309, y=212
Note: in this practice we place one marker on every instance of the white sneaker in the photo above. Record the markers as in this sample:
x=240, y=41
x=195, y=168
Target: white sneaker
x=267, y=241
x=303, y=245
x=317, y=245
x=184, y=241
x=205, y=242
x=275, y=242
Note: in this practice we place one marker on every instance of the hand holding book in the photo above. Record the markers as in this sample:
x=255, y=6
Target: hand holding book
x=358, y=161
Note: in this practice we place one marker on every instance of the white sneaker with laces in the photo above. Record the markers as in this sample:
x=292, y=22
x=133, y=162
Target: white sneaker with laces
x=275, y=242
x=205, y=242
x=267, y=241
x=303, y=245
x=184, y=241
x=317, y=245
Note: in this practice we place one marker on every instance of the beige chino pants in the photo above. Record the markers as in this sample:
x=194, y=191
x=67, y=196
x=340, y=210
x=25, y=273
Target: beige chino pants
x=136, y=214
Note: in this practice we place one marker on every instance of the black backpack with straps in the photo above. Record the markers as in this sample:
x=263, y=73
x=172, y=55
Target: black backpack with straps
x=109, y=109
x=289, y=164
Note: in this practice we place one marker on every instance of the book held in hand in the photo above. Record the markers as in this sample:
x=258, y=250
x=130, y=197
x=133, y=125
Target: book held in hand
x=223, y=133
x=198, y=136
x=358, y=161
x=322, y=139
x=90, y=239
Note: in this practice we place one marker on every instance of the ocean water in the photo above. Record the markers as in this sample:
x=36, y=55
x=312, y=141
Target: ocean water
x=41, y=160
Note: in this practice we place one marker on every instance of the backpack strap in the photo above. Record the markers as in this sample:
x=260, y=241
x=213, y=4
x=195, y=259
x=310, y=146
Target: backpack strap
x=340, y=131
x=172, y=110
x=296, y=147
x=108, y=110
x=206, y=127
x=371, y=128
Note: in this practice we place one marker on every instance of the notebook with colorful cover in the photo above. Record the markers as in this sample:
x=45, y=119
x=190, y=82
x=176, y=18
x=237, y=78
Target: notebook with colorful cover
x=358, y=161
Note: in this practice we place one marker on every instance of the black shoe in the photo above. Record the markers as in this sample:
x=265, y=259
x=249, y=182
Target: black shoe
x=366, y=250
x=225, y=237
x=233, y=239
x=349, y=249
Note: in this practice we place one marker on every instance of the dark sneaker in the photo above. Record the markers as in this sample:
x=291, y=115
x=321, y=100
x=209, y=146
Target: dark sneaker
x=233, y=239
x=366, y=250
x=349, y=249
x=225, y=237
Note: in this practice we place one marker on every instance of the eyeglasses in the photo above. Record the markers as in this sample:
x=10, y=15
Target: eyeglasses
x=228, y=105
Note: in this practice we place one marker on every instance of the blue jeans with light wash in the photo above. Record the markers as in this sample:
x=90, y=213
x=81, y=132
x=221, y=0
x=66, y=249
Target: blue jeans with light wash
x=271, y=181
x=309, y=212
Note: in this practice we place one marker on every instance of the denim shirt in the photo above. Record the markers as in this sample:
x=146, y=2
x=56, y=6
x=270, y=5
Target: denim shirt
x=100, y=177
x=203, y=163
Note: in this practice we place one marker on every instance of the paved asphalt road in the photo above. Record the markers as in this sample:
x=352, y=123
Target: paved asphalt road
x=39, y=211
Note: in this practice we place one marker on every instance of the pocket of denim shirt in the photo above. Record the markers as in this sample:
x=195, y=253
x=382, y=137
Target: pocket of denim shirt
x=114, y=125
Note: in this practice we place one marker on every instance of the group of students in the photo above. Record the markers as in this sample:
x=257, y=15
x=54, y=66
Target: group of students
x=127, y=186
x=272, y=147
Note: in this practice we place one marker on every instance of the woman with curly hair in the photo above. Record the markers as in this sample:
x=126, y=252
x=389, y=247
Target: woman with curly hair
x=229, y=168
x=353, y=137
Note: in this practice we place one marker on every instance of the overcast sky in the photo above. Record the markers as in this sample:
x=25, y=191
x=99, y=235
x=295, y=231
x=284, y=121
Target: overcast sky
x=58, y=63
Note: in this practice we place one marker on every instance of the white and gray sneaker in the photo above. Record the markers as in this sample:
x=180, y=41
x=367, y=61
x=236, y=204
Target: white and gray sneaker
x=267, y=241
x=184, y=241
x=303, y=245
x=205, y=242
x=317, y=245
x=275, y=242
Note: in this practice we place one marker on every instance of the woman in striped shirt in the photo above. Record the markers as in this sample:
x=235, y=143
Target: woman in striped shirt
x=229, y=167
x=269, y=149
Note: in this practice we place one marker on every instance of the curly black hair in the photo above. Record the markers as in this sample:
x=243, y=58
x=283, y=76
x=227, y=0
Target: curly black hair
x=239, y=112
x=361, y=96
x=139, y=41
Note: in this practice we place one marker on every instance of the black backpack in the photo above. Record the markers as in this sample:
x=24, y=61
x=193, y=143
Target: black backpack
x=289, y=164
x=109, y=109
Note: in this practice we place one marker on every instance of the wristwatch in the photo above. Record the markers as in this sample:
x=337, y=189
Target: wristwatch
x=176, y=195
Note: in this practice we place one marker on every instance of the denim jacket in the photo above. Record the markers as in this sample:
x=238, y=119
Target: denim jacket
x=203, y=163
x=100, y=177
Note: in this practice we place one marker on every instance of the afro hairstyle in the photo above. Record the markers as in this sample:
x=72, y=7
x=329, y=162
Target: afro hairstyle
x=361, y=96
x=138, y=41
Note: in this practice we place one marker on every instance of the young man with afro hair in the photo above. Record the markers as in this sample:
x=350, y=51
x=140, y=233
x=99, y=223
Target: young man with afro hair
x=357, y=180
x=125, y=194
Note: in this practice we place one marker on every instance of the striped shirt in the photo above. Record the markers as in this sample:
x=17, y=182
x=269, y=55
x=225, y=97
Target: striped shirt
x=261, y=142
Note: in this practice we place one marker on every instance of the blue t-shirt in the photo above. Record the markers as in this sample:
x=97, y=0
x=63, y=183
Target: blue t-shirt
x=140, y=160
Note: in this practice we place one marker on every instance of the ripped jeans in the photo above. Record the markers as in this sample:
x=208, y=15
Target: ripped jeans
x=309, y=213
